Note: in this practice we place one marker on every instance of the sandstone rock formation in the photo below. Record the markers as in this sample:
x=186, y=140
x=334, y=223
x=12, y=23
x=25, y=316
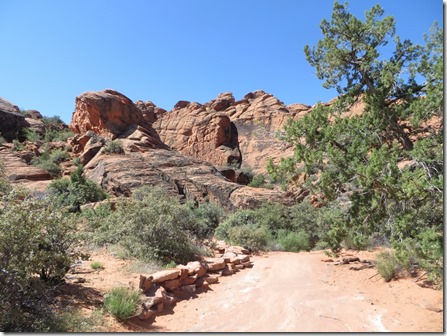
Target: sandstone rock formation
x=110, y=114
x=11, y=121
x=201, y=131
x=18, y=171
x=259, y=118
x=148, y=161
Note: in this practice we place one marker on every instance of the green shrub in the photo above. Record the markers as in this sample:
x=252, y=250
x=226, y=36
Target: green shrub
x=17, y=146
x=293, y=241
x=388, y=265
x=241, y=217
x=208, y=215
x=74, y=191
x=97, y=265
x=31, y=135
x=251, y=237
x=59, y=155
x=258, y=181
x=62, y=135
x=47, y=165
x=113, y=147
x=152, y=226
x=5, y=185
x=121, y=302
x=36, y=239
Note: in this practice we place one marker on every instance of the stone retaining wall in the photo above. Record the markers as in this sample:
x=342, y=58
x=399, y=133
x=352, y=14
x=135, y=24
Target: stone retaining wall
x=163, y=288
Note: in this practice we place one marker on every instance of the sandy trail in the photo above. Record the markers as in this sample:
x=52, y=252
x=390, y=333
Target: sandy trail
x=296, y=292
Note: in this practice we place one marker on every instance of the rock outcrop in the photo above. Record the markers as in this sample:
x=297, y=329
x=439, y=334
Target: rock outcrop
x=201, y=131
x=259, y=118
x=146, y=160
x=110, y=114
x=11, y=121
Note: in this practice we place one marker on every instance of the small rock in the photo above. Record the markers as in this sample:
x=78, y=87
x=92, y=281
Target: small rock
x=348, y=260
x=171, y=284
x=166, y=275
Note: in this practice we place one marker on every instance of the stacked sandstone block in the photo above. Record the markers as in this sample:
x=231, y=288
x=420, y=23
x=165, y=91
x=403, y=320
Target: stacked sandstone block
x=163, y=288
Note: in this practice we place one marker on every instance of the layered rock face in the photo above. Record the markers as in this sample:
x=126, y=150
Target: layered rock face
x=200, y=131
x=146, y=160
x=259, y=117
x=110, y=114
x=226, y=132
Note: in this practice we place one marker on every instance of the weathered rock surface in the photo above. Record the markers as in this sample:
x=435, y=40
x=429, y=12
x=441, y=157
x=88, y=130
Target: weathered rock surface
x=200, y=131
x=259, y=117
x=109, y=114
x=11, y=121
x=19, y=172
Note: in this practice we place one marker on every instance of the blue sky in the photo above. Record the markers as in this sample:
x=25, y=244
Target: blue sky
x=171, y=50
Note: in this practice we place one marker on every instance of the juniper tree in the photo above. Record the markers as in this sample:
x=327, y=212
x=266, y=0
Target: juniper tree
x=355, y=157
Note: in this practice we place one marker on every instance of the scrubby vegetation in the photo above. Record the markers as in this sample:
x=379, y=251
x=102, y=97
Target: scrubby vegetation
x=383, y=169
x=36, y=238
x=113, y=147
x=121, y=302
x=76, y=190
x=154, y=226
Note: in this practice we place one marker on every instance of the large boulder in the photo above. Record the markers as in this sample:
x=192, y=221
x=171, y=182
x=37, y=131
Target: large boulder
x=259, y=117
x=201, y=131
x=109, y=114
x=11, y=121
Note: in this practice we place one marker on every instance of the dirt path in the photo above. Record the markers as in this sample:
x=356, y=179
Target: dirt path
x=298, y=292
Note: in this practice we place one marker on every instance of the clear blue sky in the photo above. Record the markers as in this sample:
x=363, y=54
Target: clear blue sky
x=171, y=50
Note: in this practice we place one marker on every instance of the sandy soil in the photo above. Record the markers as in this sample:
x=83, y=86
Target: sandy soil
x=295, y=292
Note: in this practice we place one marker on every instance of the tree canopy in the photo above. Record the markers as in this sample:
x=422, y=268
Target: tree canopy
x=384, y=166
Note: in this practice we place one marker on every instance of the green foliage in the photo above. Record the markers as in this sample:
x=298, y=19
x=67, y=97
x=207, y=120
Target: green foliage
x=73, y=320
x=54, y=121
x=59, y=155
x=5, y=185
x=388, y=265
x=97, y=265
x=356, y=160
x=113, y=147
x=152, y=226
x=293, y=241
x=36, y=238
x=17, y=146
x=208, y=215
x=74, y=191
x=252, y=237
x=121, y=302
x=2, y=140
x=31, y=135
x=259, y=181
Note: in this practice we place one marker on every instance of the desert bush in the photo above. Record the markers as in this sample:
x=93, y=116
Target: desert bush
x=17, y=146
x=36, y=238
x=97, y=265
x=239, y=218
x=208, y=215
x=31, y=135
x=293, y=241
x=47, y=165
x=74, y=191
x=152, y=226
x=252, y=237
x=388, y=265
x=257, y=181
x=121, y=302
x=5, y=185
x=113, y=147
x=59, y=155
x=2, y=140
